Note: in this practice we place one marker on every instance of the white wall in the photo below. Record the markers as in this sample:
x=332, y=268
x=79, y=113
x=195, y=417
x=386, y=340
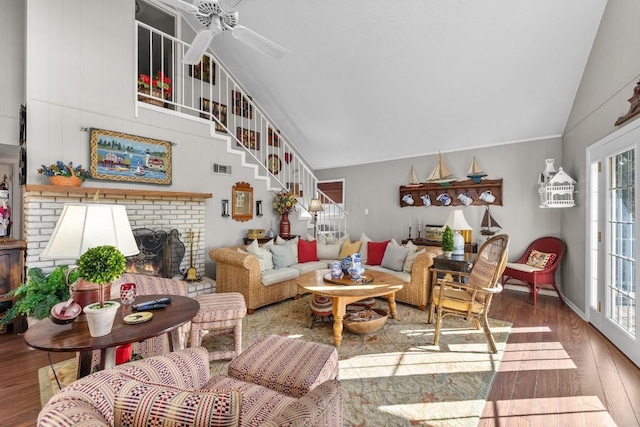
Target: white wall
x=81, y=73
x=11, y=68
x=611, y=74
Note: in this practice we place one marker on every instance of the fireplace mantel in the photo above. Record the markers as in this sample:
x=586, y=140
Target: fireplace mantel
x=115, y=191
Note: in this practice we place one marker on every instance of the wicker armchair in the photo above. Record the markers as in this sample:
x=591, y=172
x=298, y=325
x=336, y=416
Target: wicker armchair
x=470, y=296
x=537, y=278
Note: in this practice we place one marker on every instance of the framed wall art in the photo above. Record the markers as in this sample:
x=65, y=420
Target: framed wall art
x=273, y=137
x=219, y=111
x=205, y=70
x=242, y=202
x=117, y=156
x=241, y=105
x=249, y=138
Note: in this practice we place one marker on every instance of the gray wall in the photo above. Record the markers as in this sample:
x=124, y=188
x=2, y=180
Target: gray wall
x=375, y=187
x=608, y=81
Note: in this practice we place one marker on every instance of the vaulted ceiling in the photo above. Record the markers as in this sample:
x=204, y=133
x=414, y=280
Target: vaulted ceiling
x=372, y=80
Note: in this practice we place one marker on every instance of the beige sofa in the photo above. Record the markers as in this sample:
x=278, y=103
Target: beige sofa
x=238, y=271
x=299, y=387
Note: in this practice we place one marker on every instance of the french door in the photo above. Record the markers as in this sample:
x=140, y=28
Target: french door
x=612, y=303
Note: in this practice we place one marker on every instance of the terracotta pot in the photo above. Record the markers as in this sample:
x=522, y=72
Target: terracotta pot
x=285, y=225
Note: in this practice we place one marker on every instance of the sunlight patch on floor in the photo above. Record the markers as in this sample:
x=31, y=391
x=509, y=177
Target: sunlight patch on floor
x=415, y=363
x=535, y=356
x=437, y=413
x=572, y=410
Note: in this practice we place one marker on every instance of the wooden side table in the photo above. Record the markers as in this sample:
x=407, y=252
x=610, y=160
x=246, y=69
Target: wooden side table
x=462, y=263
x=468, y=247
x=12, y=273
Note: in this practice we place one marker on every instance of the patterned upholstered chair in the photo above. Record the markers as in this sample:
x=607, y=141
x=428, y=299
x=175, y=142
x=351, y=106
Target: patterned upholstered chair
x=537, y=266
x=277, y=381
x=469, y=295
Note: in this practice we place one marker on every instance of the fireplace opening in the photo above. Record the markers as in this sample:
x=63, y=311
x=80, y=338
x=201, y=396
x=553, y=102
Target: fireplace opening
x=161, y=253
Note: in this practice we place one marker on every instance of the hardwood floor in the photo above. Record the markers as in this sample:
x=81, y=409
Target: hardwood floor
x=556, y=370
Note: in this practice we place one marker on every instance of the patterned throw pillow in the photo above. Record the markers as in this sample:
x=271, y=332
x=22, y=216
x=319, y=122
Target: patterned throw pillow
x=140, y=404
x=541, y=259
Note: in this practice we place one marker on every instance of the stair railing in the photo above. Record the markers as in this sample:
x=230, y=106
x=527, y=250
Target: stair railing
x=209, y=93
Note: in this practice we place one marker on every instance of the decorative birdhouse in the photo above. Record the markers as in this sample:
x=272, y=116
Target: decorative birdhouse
x=556, y=187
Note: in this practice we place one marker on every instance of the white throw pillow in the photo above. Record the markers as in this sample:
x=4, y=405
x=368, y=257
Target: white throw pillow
x=282, y=256
x=264, y=256
x=363, y=247
x=394, y=257
x=291, y=244
x=411, y=258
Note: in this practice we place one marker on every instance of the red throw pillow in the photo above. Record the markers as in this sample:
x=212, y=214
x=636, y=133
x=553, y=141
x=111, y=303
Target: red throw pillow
x=375, y=252
x=307, y=251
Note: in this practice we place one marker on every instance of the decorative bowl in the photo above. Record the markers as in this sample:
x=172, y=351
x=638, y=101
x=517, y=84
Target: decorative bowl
x=365, y=321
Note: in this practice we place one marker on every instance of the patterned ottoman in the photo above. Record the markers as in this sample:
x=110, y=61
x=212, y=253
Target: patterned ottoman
x=219, y=314
x=288, y=365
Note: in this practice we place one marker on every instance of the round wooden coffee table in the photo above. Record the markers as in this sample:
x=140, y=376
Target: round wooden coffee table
x=383, y=284
x=48, y=336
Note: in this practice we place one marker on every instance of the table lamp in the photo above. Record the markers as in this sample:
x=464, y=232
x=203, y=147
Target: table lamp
x=457, y=223
x=86, y=225
x=315, y=206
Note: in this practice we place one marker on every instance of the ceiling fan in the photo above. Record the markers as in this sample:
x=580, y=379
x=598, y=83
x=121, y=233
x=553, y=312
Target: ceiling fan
x=216, y=20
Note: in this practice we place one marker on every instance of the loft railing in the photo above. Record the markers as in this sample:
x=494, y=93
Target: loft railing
x=208, y=92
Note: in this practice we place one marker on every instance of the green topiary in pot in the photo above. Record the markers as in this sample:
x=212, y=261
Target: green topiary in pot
x=447, y=240
x=40, y=293
x=101, y=265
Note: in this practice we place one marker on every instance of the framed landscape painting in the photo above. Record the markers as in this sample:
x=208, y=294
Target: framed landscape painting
x=117, y=156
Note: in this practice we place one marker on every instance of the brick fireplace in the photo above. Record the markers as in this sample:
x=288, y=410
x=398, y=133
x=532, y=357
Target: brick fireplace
x=147, y=209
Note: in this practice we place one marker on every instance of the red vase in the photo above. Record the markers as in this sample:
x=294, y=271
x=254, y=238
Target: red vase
x=285, y=225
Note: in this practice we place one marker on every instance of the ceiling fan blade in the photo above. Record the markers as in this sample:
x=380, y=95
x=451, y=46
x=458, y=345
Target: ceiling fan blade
x=230, y=4
x=182, y=5
x=198, y=47
x=258, y=42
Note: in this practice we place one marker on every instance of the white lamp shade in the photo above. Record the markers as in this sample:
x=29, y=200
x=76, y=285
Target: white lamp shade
x=315, y=205
x=82, y=226
x=456, y=221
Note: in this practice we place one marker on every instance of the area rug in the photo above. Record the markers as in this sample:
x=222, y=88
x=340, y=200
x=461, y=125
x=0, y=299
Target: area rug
x=392, y=377
x=395, y=376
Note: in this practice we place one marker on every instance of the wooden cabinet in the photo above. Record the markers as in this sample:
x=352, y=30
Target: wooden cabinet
x=11, y=271
x=453, y=190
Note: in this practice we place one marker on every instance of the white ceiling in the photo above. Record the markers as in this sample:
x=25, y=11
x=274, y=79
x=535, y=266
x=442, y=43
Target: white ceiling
x=372, y=80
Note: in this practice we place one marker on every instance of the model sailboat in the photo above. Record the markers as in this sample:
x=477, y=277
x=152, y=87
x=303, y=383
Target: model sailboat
x=441, y=174
x=489, y=225
x=475, y=172
x=413, y=179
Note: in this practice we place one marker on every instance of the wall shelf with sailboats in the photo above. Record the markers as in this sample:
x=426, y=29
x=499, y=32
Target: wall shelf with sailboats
x=453, y=189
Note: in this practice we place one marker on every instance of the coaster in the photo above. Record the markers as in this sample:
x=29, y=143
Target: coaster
x=140, y=317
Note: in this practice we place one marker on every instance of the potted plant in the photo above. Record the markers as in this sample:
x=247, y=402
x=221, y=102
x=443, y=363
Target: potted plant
x=65, y=174
x=101, y=265
x=159, y=86
x=447, y=241
x=39, y=294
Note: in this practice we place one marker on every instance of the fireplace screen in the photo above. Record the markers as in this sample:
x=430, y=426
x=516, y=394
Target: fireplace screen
x=160, y=254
